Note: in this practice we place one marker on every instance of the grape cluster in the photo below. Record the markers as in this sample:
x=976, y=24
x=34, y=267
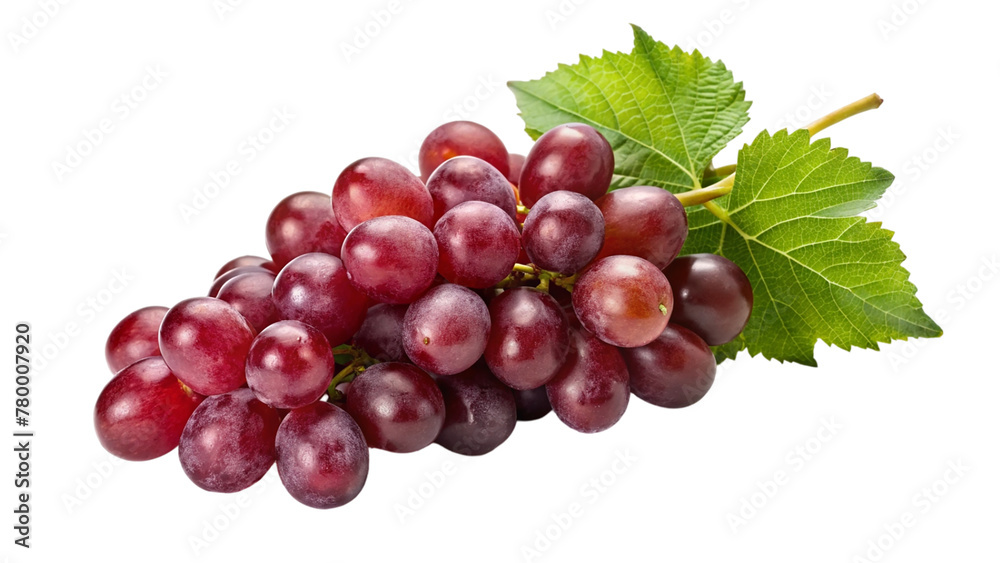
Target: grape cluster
x=405, y=310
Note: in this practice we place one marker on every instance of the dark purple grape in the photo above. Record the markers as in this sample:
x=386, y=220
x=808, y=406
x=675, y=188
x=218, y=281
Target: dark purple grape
x=142, y=411
x=624, y=300
x=532, y=404
x=230, y=274
x=529, y=338
x=590, y=392
x=322, y=456
x=673, y=371
x=301, y=223
x=381, y=335
x=398, y=407
x=478, y=244
x=516, y=163
x=290, y=365
x=205, y=342
x=243, y=261
x=480, y=412
x=563, y=232
x=391, y=259
x=228, y=443
x=250, y=294
x=643, y=221
x=712, y=296
x=467, y=178
x=376, y=187
x=459, y=138
x=573, y=157
x=314, y=289
x=446, y=330
x=135, y=337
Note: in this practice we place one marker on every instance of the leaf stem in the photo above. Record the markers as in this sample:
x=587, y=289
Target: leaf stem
x=869, y=102
x=702, y=195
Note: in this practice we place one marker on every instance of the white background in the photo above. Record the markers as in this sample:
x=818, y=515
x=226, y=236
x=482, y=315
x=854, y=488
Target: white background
x=903, y=414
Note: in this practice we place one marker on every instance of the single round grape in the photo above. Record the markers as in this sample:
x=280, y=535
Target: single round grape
x=532, y=404
x=290, y=365
x=242, y=261
x=135, y=337
x=590, y=392
x=220, y=281
x=301, y=223
x=480, y=412
x=643, y=221
x=516, y=163
x=391, y=259
x=314, y=289
x=205, y=342
x=529, y=338
x=712, y=296
x=573, y=157
x=142, y=411
x=322, y=456
x=673, y=371
x=381, y=335
x=478, y=244
x=228, y=443
x=250, y=294
x=467, y=178
x=624, y=300
x=398, y=407
x=446, y=330
x=376, y=187
x=563, y=232
x=461, y=138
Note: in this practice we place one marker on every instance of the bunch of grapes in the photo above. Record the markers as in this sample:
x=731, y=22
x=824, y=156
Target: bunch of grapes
x=407, y=310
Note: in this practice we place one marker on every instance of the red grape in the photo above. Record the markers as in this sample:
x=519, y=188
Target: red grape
x=478, y=244
x=375, y=187
x=205, y=343
x=135, y=337
x=712, y=296
x=643, y=221
x=532, y=404
x=381, y=335
x=446, y=330
x=529, y=338
x=314, y=289
x=563, y=232
x=290, y=365
x=480, y=412
x=243, y=261
x=461, y=138
x=673, y=371
x=228, y=443
x=590, y=392
x=301, y=223
x=467, y=178
x=230, y=274
x=322, y=456
x=250, y=294
x=624, y=300
x=573, y=157
x=142, y=411
x=391, y=259
x=398, y=407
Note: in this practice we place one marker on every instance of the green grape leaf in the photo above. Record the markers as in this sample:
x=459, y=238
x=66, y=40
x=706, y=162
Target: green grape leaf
x=665, y=112
x=818, y=271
